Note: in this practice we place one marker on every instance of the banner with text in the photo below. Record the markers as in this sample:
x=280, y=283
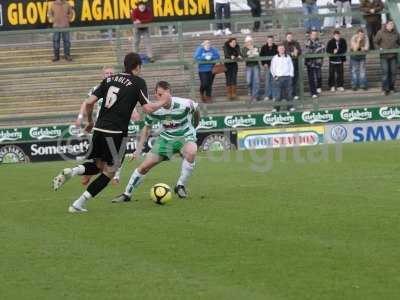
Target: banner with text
x=215, y=123
x=362, y=132
x=280, y=137
x=32, y=14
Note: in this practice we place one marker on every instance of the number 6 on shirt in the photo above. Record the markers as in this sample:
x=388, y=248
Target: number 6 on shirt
x=111, y=97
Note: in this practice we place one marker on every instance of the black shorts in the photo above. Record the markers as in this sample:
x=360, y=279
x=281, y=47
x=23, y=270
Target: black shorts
x=107, y=147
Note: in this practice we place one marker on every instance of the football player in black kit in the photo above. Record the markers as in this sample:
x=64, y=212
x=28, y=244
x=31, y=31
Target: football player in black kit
x=121, y=93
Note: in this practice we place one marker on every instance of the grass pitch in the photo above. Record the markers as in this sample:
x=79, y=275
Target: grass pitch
x=309, y=228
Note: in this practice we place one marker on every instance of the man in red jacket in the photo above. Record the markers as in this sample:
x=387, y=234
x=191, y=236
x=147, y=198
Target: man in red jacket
x=141, y=15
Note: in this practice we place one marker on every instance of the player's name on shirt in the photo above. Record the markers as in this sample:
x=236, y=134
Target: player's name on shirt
x=123, y=80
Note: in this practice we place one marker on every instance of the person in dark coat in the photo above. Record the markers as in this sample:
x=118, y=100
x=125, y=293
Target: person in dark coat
x=337, y=45
x=268, y=49
x=231, y=51
x=255, y=8
x=372, y=10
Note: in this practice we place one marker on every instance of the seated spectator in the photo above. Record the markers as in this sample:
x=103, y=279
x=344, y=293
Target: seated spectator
x=255, y=8
x=314, y=65
x=223, y=7
x=269, y=49
x=252, y=67
x=206, y=53
x=372, y=10
x=231, y=51
x=343, y=6
x=60, y=15
x=359, y=43
x=337, y=45
x=293, y=48
x=282, y=72
x=311, y=23
x=388, y=38
x=142, y=14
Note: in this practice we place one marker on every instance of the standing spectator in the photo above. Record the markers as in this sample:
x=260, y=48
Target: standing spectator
x=141, y=15
x=231, y=51
x=60, y=14
x=388, y=38
x=359, y=43
x=343, y=6
x=255, y=8
x=252, y=68
x=293, y=48
x=314, y=65
x=311, y=23
x=206, y=53
x=269, y=49
x=282, y=71
x=337, y=45
x=372, y=10
x=223, y=7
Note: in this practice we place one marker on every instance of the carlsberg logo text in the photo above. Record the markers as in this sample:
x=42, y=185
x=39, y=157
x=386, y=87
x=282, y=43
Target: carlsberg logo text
x=207, y=124
x=10, y=135
x=234, y=121
x=278, y=119
x=44, y=133
x=355, y=115
x=389, y=112
x=317, y=117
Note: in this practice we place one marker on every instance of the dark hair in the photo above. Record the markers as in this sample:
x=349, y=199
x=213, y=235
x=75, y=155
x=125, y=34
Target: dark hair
x=270, y=37
x=336, y=32
x=360, y=30
x=289, y=32
x=163, y=84
x=131, y=61
x=230, y=40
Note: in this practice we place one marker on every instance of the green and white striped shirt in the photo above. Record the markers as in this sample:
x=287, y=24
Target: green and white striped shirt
x=176, y=121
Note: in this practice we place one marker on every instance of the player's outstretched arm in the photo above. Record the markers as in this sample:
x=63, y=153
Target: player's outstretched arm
x=149, y=108
x=144, y=135
x=196, y=118
x=89, y=105
x=82, y=113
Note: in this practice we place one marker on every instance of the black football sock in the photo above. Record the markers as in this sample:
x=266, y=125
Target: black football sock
x=90, y=168
x=98, y=185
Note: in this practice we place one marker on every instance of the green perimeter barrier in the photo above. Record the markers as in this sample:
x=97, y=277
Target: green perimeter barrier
x=222, y=122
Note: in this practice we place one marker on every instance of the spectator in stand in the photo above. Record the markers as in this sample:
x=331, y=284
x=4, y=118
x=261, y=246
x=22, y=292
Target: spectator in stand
x=372, y=10
x=359, y=43
x=206, y=53
x=269, y=49
x=311, y=23
x=255, y=8
x=343, y=6
x=388, y=38
x=231, y=51
x=293, y=48
x=282, y=72
x=314, y=65
x=223, y=7
x=337, y=45
x=142, y=15
x=252, y=67
x=60, y=15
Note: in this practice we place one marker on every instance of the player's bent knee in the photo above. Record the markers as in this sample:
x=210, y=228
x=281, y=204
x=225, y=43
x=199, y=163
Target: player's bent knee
x=110, y=171
x=109, y=174
x=100, y=164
